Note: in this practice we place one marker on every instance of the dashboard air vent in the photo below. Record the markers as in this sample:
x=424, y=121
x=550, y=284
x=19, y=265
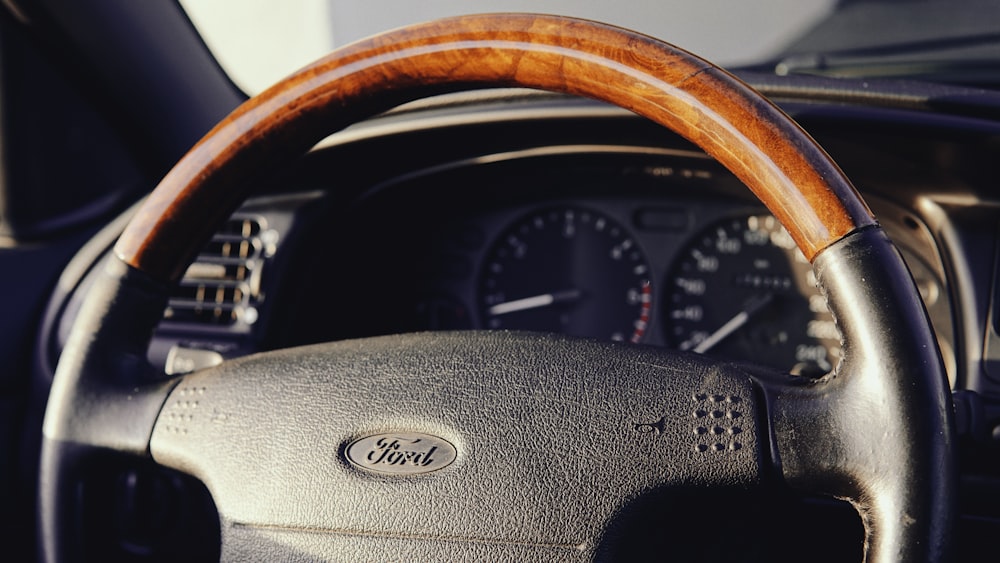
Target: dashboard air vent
x=222, y=286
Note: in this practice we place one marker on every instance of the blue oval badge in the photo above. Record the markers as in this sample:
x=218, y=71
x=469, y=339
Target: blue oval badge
x=401, y=453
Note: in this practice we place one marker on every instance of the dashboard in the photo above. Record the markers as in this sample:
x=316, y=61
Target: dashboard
x=646, y=241
x=629, y=244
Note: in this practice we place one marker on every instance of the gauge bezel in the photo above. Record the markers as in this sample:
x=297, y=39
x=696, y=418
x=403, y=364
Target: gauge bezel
x=549, y=270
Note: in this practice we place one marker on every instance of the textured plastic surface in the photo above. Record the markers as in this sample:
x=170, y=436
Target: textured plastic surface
x=554, y=437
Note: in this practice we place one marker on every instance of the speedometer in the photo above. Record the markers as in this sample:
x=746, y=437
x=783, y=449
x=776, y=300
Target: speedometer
x=742, y=290
x=569, y=270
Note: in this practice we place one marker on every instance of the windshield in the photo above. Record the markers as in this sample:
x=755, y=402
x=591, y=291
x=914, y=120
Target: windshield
x=261, y=41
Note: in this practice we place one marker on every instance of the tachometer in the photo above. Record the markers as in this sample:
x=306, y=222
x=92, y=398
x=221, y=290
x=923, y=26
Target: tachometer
x=743, y=290
x=569, y=270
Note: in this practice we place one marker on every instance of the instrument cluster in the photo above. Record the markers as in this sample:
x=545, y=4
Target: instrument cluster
x=724, y=281
x=657, y=254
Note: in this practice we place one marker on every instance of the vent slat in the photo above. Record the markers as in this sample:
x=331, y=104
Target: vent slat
x=217, y=287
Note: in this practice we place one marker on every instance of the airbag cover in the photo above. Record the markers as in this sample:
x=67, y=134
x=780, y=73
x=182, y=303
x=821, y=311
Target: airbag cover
x=552, y=436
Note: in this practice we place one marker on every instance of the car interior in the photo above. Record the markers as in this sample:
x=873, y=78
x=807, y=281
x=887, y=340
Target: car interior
x=510, y=287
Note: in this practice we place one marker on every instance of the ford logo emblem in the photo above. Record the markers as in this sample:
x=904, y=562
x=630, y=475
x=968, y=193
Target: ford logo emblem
x=401, y=453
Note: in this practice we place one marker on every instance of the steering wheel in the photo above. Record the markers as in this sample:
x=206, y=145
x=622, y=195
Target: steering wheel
x=496, y=444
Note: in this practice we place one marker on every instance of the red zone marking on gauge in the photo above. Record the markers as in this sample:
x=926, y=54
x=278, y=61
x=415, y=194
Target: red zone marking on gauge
x=645, y=308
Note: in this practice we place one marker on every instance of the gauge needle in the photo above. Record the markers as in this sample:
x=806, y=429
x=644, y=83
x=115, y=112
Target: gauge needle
x=535, y=302
x=753, y=305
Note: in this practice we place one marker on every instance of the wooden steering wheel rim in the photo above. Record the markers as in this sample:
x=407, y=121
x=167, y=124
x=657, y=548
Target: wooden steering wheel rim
x=761, y=145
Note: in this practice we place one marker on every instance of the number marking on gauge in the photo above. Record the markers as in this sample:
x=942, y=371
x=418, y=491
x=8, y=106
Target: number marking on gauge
x=742, y=290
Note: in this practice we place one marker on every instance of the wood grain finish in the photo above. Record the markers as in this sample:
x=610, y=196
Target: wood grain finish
x=790, y=174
